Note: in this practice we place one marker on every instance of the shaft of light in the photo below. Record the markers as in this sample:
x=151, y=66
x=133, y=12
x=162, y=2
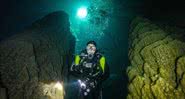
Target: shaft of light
x=59, y=86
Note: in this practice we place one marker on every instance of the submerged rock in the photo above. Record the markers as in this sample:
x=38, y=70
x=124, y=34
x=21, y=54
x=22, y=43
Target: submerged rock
x=157, y=61
x=33, y=61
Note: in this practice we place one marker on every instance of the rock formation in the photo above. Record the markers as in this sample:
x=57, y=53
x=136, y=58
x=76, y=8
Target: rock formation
x=35, y=62
x=157, y=61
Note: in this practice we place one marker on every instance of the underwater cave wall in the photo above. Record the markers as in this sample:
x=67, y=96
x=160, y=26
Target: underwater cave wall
x=32, y=62
x=157, y=61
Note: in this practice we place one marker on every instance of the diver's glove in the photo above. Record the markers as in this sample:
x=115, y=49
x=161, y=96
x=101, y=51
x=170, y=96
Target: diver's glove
x=78, y=69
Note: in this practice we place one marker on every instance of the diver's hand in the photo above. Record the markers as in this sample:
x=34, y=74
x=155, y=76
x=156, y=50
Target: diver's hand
x=77, y=68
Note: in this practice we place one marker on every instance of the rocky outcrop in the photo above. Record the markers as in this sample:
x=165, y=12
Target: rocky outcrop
x=157, y=61
x=34, y=63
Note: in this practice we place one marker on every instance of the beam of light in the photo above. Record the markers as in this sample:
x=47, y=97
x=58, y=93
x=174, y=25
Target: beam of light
x=59, y=86
x=82, y=12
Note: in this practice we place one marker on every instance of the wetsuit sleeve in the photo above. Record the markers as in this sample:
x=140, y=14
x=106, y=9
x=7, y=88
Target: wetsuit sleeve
x=75, y=66
x=103, y=72
x=106, y=73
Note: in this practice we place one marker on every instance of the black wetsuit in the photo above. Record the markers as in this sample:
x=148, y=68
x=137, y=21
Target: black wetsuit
x=89, y=68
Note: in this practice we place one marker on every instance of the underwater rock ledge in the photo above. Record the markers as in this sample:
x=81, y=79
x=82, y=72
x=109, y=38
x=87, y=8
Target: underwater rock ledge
x=157, y=61
x=34, y=62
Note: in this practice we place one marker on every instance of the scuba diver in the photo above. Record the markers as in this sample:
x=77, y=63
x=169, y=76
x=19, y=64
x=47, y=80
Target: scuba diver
x=91, y=70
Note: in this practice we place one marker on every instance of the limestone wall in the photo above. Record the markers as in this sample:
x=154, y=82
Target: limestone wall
x=157, y=61
x=33, y=62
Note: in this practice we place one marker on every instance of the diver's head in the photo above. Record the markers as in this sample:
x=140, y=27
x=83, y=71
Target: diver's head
x=91, y=47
